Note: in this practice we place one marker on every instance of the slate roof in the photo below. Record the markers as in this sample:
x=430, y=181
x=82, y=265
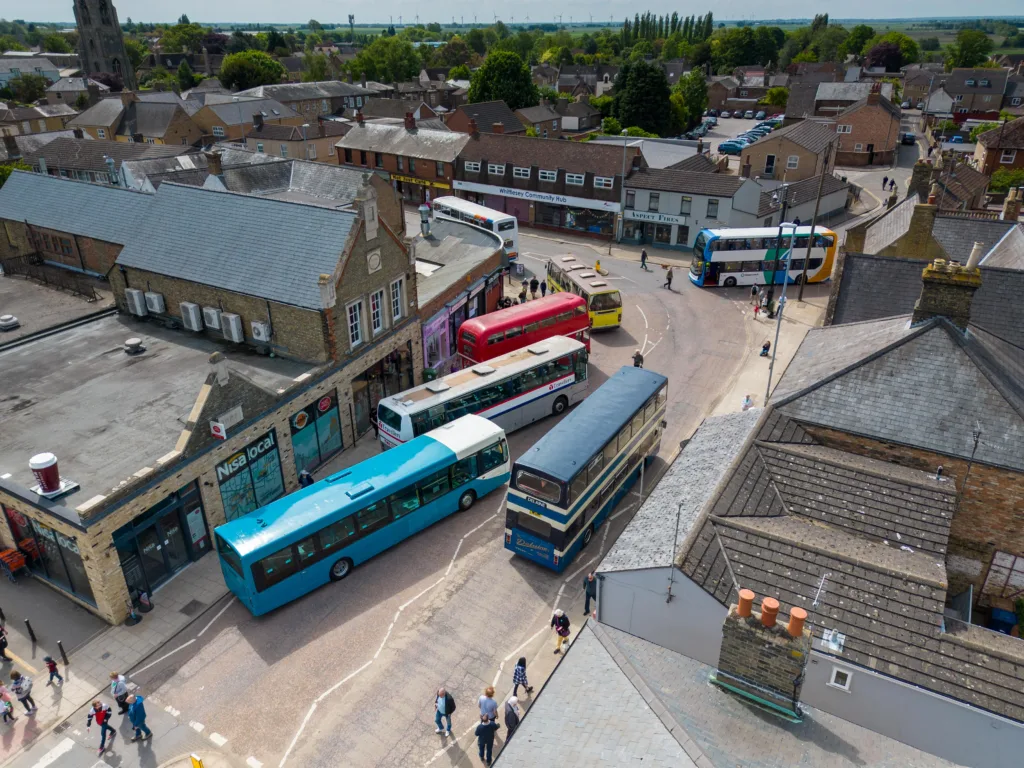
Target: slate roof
x=801, y=100
x=72, y=84
x=244, y=253
x=801, y=192
x=570, y=74
x=683, y=490
x=957, y=235
x=459, y=248
x=695, y=163
x=693, y=182
x=487, y=113
x=150, y=119
x=31, y=142
x=421, y=143
x=812, y=136
x=575, y=108
x=537, y=114
x=1009, y=251
x=190, y=169
x=573, y=156
x=323, y=89
x=883, y=102
x=956, y=81
x=389, y=108
x=73, y=206
x=851, y=92
x=891, y=226
x=1008, y=136
x=88, y=155
x=276, y=132
x=26, y=66
x=103, y=113
x=36, y=111
x=241, y=112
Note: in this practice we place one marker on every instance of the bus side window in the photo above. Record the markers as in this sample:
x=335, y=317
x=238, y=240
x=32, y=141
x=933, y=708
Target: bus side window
x=829, y=241
x=404, y=501
x=511, y=387
x=662, y=396
x=532, y=327
x=511, y=333
x=275, y=568
x=420, y=424
x=492, y=457
x=563, y=316
x=373, y=517
x=563, y=365
x=624, y=436
x=336, y=535
x=463, y=471
x=306, y=550
x=649, y=410
x=638, y=422
x=579, y=485
x=434, y=486
x=547, y=322
x=580, y=311
x=595, y=467
x=816, y=263
x=495, y=338
x=751, y=266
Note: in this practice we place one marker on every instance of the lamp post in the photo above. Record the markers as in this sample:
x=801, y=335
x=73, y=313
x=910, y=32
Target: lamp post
x=782, y=304
x=622, y=183
x=776, y=197
x=305, y=144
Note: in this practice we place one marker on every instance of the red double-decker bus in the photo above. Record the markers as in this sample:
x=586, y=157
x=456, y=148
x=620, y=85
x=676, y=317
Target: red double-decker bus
x=560, y=314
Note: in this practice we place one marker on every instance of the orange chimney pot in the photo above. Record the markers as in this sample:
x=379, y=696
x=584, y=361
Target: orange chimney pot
x=797, y=617
x=746, y=603
x=769, y=611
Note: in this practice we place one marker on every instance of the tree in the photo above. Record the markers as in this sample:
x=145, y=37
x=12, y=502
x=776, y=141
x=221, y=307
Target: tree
x=929, y=44
x=885, y=55
x=971, y=48
x=859, y=35
x=183, y=37
x=7, y=168
x=977, y=130
x=611, y=126
x=136, y=52
x=642, y=97
x=238, y=42
x=249, y=69
x=690, y=99
x=215, y=42
x=776, y=97
x=909, y=50
x=768, y=41
x=315, y=68
x=387, y=59
x=828, y=42
x=1004, y=178
x=455, y=51
x=82, y=102
x=55, y=43
x=504, y=77
x=28, y=87
x=186, y=78
x=603, y=104
x=183, y=19
x=459, y=72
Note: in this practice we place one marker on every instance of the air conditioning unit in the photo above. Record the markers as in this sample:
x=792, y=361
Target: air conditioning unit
x=155, y=303
x=136, y=301
x=232, y=327
x=191, y=316
x=260, y=330
x=211, y=318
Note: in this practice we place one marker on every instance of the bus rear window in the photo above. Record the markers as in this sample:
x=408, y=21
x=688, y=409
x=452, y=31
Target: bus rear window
x=470, y=337
x=605, y=301
x=389, y=418
x=538, y=486
x=229, y=556
x=505, y=226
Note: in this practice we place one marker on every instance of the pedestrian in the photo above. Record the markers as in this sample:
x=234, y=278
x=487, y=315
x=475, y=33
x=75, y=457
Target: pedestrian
x=511, y=717
x=638, y=359
x=519, y=677
x=643, y=259
x=796, y=221
x=306, y=478
x=485, y=738
x=522, y=296
x=534, y=287
x=101, y=713
x=444, y=706
x=590, y=580
x=668, y=279
x=119, y=690
x=757, y=309
x=930, y=150
x=543, y=288
x=892, y=184
x=137, y=717
x=885, y=182
x=51, y=666
x=560, y=623
x=8, y=711
x=3, y=645
x=21, y=686
x=488, y=706
x=526, y=286
x=754, y=290
x=748, y=403
x=766, y=348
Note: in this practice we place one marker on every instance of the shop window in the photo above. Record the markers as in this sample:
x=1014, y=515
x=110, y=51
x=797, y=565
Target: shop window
x=251, y=477
x=316, y=432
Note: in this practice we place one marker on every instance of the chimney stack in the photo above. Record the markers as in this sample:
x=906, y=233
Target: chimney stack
x=875, y=93
x=410, y=122
x=321, y=130
x=207, y=69
x=497, y=128
x=359, y=116
x=933, y=194
x=947, y=290
x=1012, y=204
x=213, y=165
x=745, y=168
x=472, y=127
x=78, y=132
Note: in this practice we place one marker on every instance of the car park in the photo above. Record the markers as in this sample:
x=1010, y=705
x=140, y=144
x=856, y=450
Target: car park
x=731, y=147
x=759, y=115
x=749, y=114
x=711, y=113
x=711, y=121
x=956, y=139
x=725, y=113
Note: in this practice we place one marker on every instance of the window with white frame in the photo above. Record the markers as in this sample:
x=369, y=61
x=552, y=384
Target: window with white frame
x=1015, y=101
x=554, y=125
x=793, y=161
x=844, y=128
x=858, y=147
x=537, y=127
x=520, y=173
x=377, y=312
x=840, y=678
x=653, y=201
x=970, y=83
x=259, y=146
x=547, y=175
x=1008, y=156
x=396, y=300
x=712, y=208
x=284, y=150
x=355, y=323
x=312, y=151
x=985, y=84
x=101, y=133
x=471, y=167
x=630, y=199
x=42, y=125
x=986, y=99
x=958, y=97
x=576, y=179
x=684, y=206
x=218, y=131
x=151, y=141
x=604, y=182
x=962, y=110
x=495, y=169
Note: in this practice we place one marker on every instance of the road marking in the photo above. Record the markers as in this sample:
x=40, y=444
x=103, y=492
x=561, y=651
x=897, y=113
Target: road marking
x=172, y=711
x=644, y=316
x=197, y=727
x=252, y=762
x=217, y=739
x=526, y=642
x=337, y=685
x=55, y=754
x=302, y=727
x=219, y=614
x=166, y=655
x=22, y=662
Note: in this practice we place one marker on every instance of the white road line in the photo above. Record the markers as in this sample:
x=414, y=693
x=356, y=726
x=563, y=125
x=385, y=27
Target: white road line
x=252, y=762
x=386, y=636
x=644, y=316
x=219, y=614
x=340, y=683
x=217, y=739
x=55, y=754
x=166, y=655
x=628, y=280
x=528, y=640
x=497, y=675
x=197, y=727
x=450, y=745
x=298, y=733
x=172, y=711
x=579, y=570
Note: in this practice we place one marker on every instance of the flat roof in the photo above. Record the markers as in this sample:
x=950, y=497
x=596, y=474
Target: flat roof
x=456, y=249
x=106, y=414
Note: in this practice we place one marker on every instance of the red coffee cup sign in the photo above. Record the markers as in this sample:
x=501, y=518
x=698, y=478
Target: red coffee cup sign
x=44, y=467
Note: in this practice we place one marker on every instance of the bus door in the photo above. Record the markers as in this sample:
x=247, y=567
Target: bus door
x=711, y=270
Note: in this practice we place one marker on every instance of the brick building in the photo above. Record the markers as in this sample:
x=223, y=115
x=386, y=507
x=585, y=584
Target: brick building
x=868, y=131
x=153, y=118
x=234, y=118
x=488, y=117
x=976, y=93
x=544, y=119
x=76, y=157
x=313, y=143
x=310, y=100
x=1001, y=147
x=43, y=118
x=793, y=153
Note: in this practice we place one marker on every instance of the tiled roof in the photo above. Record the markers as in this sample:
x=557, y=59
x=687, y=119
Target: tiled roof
x=276, y=132
x=537, y=114
x=420, y=143
x=891, y=226
x=244, y=254
x=99, y=211
x=801, y=99
x=848, y=91
x=572, y=156
x=962, y=183
x=151, y=119
x=957, y=235
x=89, y=155
x=36, y=111
x=26, y=66
x=682, y=491
x=812, y=136
x=956, y=81
x=487, y=113
x=801, y=192
x=75, y=84
x=30, y=142
x=1009, y=251
x=575, y=108
x=103, y=113
x=883, y=102
x=389, y=108
x=695, y=163
x=324, y=89
x=694, y=182
x=241, y=112
x=1008, y=136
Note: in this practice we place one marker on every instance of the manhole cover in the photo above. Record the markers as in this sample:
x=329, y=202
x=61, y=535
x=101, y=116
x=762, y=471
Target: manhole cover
x=62, y=727
x=192, y=608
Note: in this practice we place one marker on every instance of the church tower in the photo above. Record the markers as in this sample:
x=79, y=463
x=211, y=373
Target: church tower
x=100, y=43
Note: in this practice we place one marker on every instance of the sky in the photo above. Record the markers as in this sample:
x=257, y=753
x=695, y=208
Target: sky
x=296, y=11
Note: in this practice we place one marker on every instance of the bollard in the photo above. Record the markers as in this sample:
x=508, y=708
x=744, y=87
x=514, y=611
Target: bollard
x=31, y=634
x=3, y=619
x=63, y=653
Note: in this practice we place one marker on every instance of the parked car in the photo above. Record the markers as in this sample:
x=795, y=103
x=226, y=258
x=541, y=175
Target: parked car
x=920, y=105
x=711, y=112
x=905, y=105
x=749, y=114
x=956, y=139
x=908, y=138
x=711, y=121
x=759, y=115
x=725, y=113
x=731, y=147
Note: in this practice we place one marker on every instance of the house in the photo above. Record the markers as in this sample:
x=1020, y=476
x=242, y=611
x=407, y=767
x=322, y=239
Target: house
x=668, y=208
x=127, y=116
x=203, y=63
x=793, y=153
x=418, y=162
x=68, y=90
x=92, y=160
x=546, y=183
x=832, y=98
x=544, y=119
x=674, y=69
x=221, y=118
x=194, y=170
x=544, y=75
x=315, y=142
x=977, y=93
x=868, y=131
x=586, y=80
x=1001, y=147
x=487, y=117
x=328, y=97
x=721, y=88
x=578, y=116
x=393, y=108
x=43, y=118
x=1013, y=98
x=800, y=103
x=919, y=82
x=12, y=68
x=960, y=186
x=938, y=105
x=16, y=145
x=801, y=200
x=437, y=93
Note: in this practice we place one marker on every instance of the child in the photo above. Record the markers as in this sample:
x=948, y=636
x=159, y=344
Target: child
x=21, y=686
x=8, y=711
x=519, y=677
x=51, y=665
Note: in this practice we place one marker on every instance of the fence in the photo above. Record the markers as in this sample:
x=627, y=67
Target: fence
x=32, y=267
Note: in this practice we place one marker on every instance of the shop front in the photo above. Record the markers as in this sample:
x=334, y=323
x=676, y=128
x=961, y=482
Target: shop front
x=419, y=191
x=389, y=376
x=251, y=477
x=661, y=230
x=50, y=555
x=316, y=432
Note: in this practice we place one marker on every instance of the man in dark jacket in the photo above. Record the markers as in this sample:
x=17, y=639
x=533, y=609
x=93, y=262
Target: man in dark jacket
x=485, y=738
x=444, y=706
x=590, y=590
x=511, y=716
x=137, y=717
x=534, y=287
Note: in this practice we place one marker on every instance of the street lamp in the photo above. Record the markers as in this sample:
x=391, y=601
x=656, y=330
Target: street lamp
x=622, y=182
x=305, y=144
x=784, y=198
x=782, y=301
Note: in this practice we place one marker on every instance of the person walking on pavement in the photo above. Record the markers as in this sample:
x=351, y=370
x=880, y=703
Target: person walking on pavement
x=590, y=586
x=638, y=359
x=7, y=709
x=519, y=677
x=534, y=287
x=488, y=706
x=485, y=738
x=444, y=706
x=119, y=690
x=101, y=713
x=643, y=259
x=51, y=667
x=560, y=623
x=892, y=184
x=522, y=296
x=668, y=279
x=543, y=288
x=137, y=717
x=3, y=645
x=885, y=182
x=21, y=686
x=511, y=717
x=754, y=291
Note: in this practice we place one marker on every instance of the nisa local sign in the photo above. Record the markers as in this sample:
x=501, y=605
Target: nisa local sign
x=652, y=216
x=228, y=468
x=539, y=197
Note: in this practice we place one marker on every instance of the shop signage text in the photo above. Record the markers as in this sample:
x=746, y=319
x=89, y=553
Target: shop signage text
x=657, y=218
x=250, y=453
x=421, y=182
x=540, y=197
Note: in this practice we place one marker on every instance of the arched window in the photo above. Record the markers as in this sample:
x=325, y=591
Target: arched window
x=117, y=66
x=92, y=45
x=83, y=12
x=104, y=13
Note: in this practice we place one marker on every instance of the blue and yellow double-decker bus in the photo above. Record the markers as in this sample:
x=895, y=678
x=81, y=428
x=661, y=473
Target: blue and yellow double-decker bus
x=563, y=488
x=318, y=534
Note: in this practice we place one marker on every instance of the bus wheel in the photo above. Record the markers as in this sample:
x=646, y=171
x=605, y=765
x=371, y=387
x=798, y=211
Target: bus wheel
x=560, y=405
x=798, y=279
x=466, y=500
x=587, y=535
x=730, y=282
x=341, y=569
